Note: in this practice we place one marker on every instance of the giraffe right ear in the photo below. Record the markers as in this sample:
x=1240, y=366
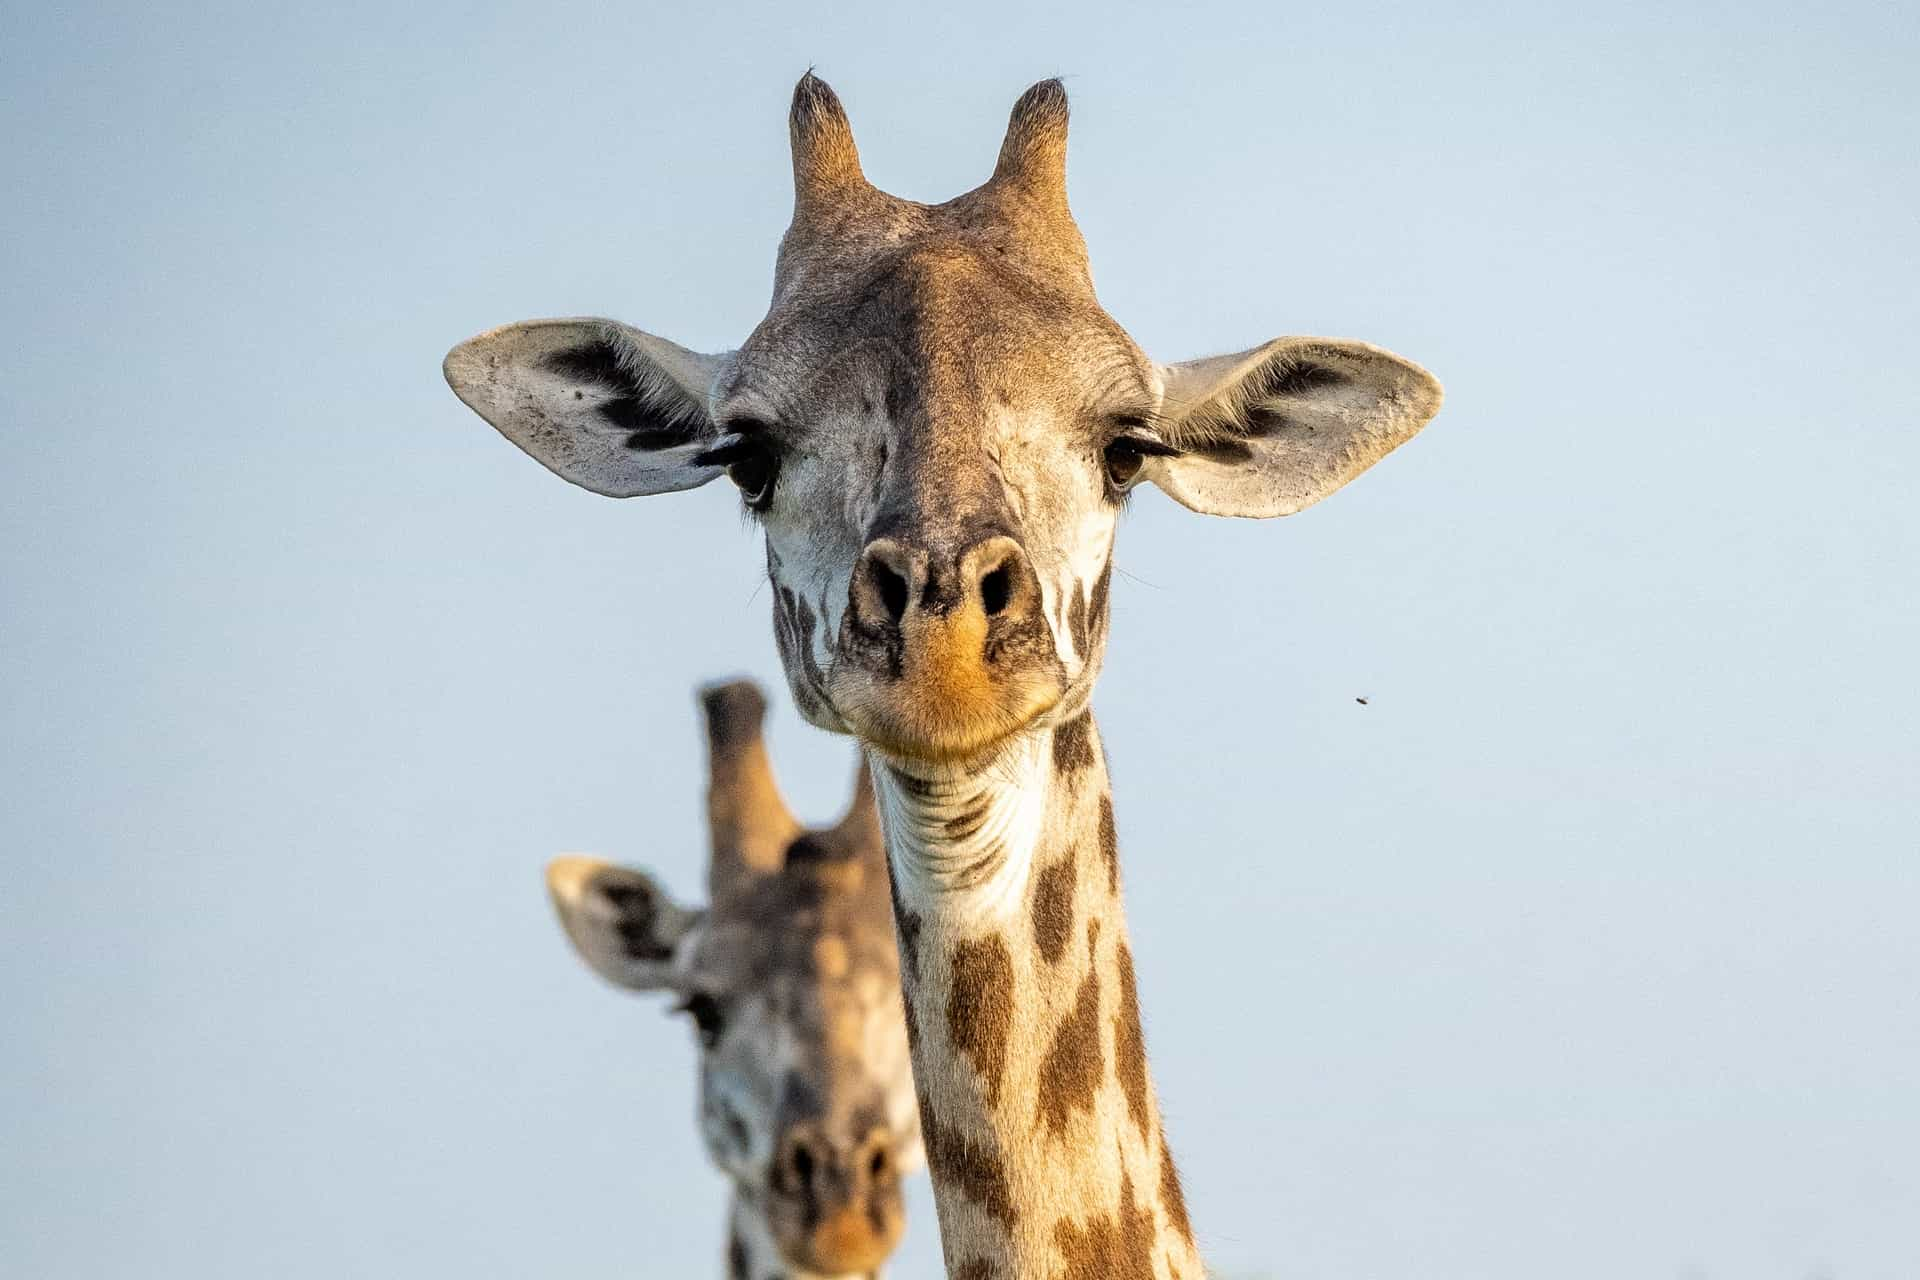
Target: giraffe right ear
x=598, y=403
x=623, y=924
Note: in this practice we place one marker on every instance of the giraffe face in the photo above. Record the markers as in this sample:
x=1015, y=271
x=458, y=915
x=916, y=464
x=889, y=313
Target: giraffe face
x=936, y=424
x=938, y=446
x=790, y=982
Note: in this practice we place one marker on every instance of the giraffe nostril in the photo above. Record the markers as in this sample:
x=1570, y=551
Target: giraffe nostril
x=892, y=588
x=996, y=589
x=802, y=1160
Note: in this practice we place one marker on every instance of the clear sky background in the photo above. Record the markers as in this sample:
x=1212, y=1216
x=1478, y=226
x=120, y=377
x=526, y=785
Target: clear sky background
x=1588, y=948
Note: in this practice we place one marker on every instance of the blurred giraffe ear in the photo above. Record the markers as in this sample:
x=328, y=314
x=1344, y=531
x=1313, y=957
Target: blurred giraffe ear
x=623, y=924
x=1269, y=431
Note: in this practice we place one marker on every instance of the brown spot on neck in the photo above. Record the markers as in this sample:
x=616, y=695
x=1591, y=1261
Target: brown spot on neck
x=1109, y=844
x=1129, y=1045
x=1071, y=1072
x=1113, y=1246
x=980, y=1007
x=1073, y=744
x=1053, y=906
x=1172, y=1199
x=973, y=1170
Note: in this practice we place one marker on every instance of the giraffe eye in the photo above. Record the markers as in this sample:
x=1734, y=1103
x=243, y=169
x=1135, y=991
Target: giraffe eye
x=709, y=1019
x=1127, y=452
x=751, y=464
x=1124, y=460
x=755, y=474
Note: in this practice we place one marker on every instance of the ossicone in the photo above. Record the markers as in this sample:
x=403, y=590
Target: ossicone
x=1033, y=158
x=826, y=163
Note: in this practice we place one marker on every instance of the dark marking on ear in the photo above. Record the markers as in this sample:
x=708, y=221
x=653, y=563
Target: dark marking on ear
x=1172, y=1198
x=1263, y=422
x=651, y=439
x=1285, y=378
x=1115, y=1246
x=736, y=1257
x=639, y=941
x=1129, y=1044
x=638, y=920
x=1073, y=744
x=976, y=1172
x=1292, y=377
x=1053, y=906
x=1075, y=1063
x=980, y=1007
x=975, y=1269
x=1109, y=844
x=1224, y=452
x=598, y=363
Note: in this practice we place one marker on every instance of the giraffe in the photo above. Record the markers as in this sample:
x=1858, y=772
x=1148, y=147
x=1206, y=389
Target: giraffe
x=936, y=426
x=791, y=978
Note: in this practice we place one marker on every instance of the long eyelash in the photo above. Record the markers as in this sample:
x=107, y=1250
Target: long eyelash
x=727, y=449
x=1148, y=446
x=1157, y=425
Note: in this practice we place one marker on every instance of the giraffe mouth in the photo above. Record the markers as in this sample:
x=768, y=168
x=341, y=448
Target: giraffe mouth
x=943, y=712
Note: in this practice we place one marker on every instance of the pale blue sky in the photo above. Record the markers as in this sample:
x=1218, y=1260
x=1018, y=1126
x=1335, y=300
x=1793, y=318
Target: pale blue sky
x=1589, y=948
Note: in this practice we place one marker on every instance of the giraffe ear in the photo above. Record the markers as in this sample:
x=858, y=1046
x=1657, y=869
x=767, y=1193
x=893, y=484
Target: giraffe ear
x=1270, y=431
x=603, y=405
x=623, y=924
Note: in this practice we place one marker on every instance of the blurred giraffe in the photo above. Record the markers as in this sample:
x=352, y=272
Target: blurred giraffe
x=791, y=977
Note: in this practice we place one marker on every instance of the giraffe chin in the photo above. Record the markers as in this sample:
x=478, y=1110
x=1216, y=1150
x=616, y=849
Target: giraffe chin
x=849, y=1242
x=942, y=721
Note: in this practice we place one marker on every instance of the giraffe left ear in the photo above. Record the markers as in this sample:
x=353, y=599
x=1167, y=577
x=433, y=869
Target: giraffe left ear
x=622, y=923
x=601, y=404
x=1270, y=431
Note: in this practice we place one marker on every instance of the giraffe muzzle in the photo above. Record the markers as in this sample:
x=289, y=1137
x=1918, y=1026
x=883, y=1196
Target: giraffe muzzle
x=944, y=652
x=836, y=1211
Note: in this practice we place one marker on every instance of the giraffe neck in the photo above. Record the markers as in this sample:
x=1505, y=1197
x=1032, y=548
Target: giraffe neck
x=752, y=1254
x=1042, y=1132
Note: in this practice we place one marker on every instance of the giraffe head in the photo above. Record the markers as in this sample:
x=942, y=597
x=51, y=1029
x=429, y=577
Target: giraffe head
x=937, y=425
x=791, y=979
